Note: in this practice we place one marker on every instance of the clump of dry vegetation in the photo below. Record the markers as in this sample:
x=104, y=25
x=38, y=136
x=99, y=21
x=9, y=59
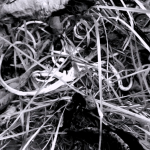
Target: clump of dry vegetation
x=103, y=55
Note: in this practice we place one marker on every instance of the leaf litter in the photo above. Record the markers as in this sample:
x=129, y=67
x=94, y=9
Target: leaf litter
x=57, y=89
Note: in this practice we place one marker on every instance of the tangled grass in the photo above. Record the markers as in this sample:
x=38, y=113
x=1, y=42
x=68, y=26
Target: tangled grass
x=108, y=48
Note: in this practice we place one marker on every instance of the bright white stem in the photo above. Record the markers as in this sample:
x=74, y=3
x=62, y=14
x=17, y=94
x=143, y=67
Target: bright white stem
x=62, y=81
x=116, y=73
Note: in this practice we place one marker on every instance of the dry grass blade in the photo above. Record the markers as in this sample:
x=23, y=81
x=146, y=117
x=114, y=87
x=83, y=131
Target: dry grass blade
x=95, y=72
